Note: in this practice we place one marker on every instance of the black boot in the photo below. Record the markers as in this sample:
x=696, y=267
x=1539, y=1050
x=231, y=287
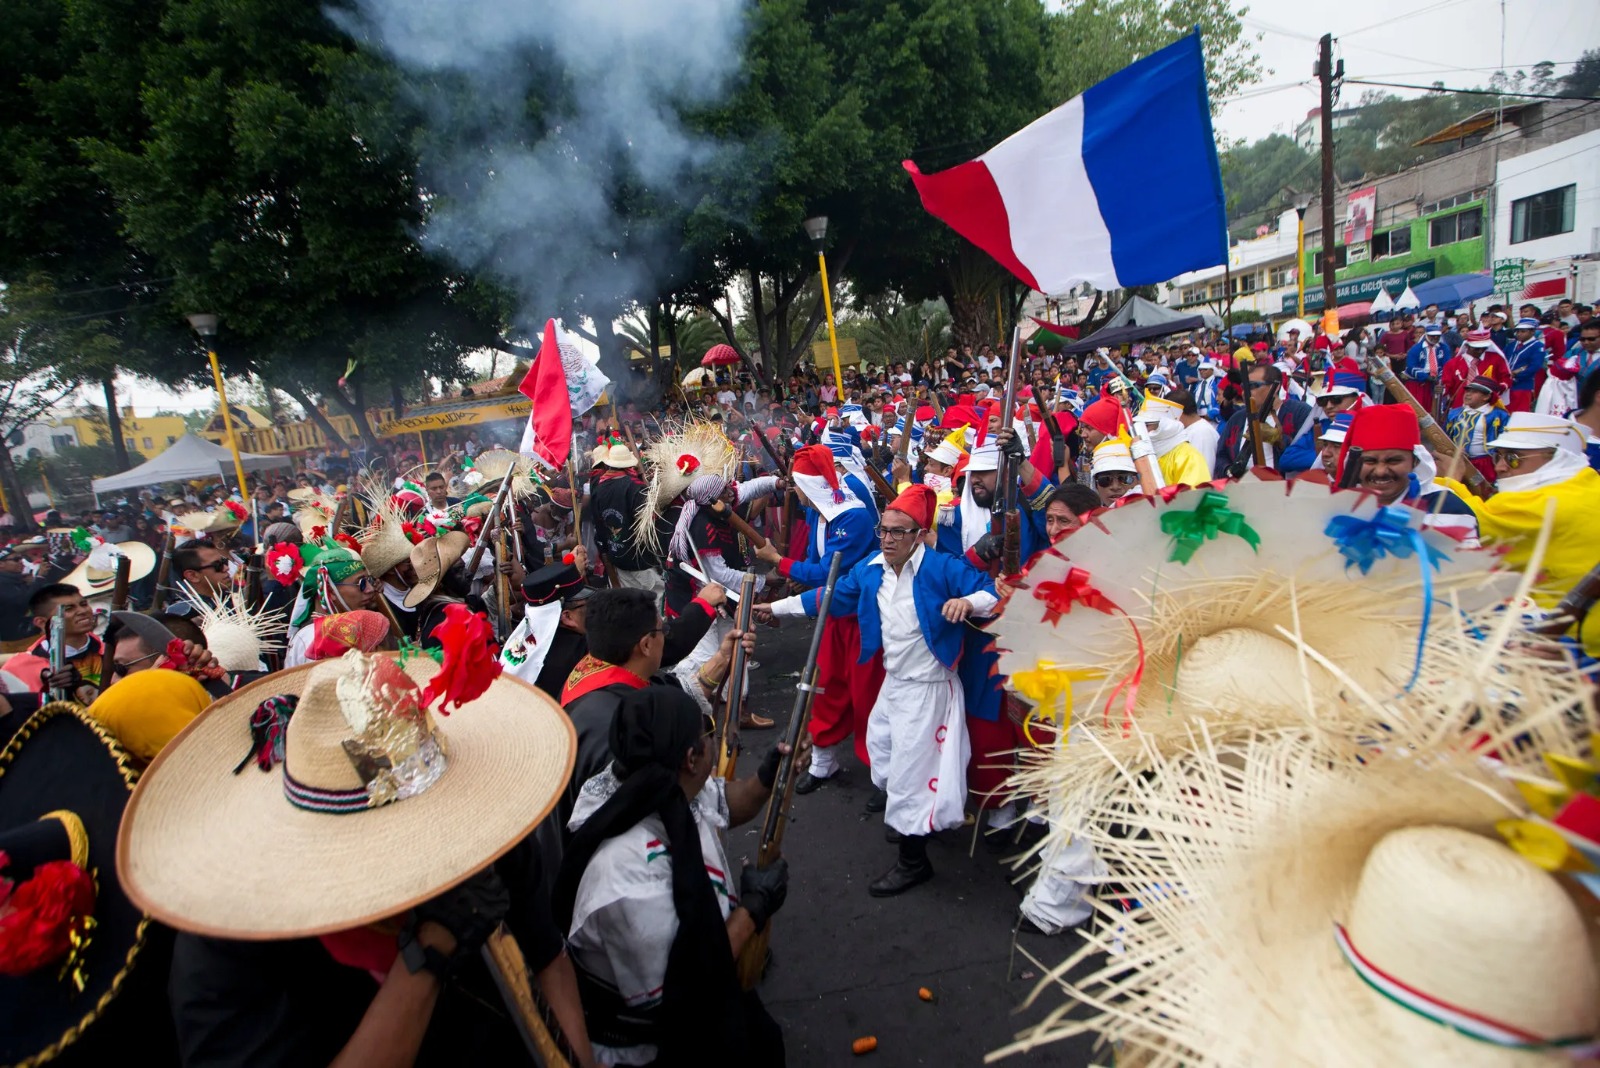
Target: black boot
x=877, y=802
x=809, y=783
x=911, y=869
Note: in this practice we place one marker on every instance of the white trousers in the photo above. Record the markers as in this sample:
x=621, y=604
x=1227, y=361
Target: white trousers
x=917, y=742
x=1058, y=898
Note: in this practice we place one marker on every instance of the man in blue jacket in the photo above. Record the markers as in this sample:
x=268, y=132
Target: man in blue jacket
x=840, y=522
x=1287, y=428
x=912, y=604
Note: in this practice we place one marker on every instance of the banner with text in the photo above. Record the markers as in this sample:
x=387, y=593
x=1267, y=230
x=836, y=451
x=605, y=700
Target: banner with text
x=1364, y=288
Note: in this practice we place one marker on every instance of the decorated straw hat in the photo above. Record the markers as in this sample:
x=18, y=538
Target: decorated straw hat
x=97, y=574
x=312, y=516
x=676, y=460
x=1188, y=606
x=64, y=782
x=344, y=801
x=430, y=559
x=387, y=538
x=230, y=515
x=236, y=636
x=1288, y=901
x=495, y=464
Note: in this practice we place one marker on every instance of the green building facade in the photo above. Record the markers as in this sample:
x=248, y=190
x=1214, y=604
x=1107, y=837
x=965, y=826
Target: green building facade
x=1449, y=237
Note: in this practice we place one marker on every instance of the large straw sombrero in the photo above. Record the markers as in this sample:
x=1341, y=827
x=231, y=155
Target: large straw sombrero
x=1287, y=904
x=60, y=760
x=227, y=854
x=676, y=460
x=98, y=572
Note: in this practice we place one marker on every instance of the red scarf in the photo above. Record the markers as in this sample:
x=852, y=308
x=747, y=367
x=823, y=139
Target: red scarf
x=593, y=674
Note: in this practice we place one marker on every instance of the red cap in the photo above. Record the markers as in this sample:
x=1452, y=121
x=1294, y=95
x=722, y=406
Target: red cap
x=918, y=502
x=817, y=461
x=1104, y=415
x=1381, y=426
x=1259, y=346
x=960, y=415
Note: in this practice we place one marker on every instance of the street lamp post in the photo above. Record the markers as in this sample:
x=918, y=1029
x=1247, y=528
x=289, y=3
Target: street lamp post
x=205, y=324
x=1302, y=201
x=817, y=231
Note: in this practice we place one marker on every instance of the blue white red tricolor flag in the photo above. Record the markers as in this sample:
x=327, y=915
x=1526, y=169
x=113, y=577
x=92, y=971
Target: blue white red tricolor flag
x=1117, y=187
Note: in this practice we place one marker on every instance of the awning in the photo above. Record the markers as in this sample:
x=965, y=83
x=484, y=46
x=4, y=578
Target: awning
x=1111, y=337
x=469, y=411
x=1454, y=290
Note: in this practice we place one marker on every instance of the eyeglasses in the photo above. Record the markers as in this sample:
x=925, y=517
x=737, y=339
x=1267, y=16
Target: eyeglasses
x=1115, y=478
x=1513, y=458
x=1329, y=402
x=119, y=667
x=364, y=583
x=897, y=533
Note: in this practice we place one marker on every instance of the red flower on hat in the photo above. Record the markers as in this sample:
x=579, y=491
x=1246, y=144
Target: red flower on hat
x=319, y=531
x=348, y=542
x=239, y=511
x=470, y=663
x=41, y=916
x=284, y=562
x=688, y=463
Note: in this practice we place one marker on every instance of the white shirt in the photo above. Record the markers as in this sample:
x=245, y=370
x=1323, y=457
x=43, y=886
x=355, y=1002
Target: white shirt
x=1202, y=434
x=726, y=398
x=623, y=919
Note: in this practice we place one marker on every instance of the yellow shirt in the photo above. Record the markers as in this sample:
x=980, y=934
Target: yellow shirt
x=1514, y=519
x=1182, y=465
x=1242, y=355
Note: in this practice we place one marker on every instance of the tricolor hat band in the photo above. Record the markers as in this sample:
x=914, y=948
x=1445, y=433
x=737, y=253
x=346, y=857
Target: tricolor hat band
x=1462, y=1021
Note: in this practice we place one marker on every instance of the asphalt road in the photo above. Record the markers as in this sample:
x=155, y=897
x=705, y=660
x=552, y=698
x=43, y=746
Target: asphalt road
x=846, y=965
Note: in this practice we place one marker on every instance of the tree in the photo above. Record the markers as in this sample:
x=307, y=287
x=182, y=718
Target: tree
x=39, y=350
x=1090, y=40
x=1255, y=175
x=72, y=470
x=1584, y=77
x=892, y=332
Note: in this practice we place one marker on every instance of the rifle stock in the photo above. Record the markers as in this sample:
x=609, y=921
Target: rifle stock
x=733, y=699
x=158, y=600
x=753, y=957
x=119, y=585
x=1006, y=522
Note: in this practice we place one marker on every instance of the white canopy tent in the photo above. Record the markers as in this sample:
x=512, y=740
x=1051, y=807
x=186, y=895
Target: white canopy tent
x=188, y=457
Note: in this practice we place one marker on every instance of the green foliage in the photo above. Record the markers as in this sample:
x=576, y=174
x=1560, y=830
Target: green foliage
x=1584, y=77
x=41, y=351
x=1090, y=40
x=892, y=332
x=1255, y=175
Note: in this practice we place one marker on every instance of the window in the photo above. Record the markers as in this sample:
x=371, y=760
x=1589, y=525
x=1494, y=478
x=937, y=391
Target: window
x=1340, y=258
x=127, y=443
x=148, y=444
x=1247, y=282
x=1392, y=243
x=1280, y=277
x=61, y=441
x=1450, y=202
x=1543, y=214
x=1461, y=226
x=171, y=440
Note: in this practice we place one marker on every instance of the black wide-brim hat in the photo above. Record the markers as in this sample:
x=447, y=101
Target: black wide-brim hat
x=61, y=759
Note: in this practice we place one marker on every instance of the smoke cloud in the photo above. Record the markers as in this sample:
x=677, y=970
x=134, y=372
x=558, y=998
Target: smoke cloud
x=554, y=153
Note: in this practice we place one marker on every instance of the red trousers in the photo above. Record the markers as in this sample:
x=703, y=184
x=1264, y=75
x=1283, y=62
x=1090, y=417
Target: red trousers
x=1485, y=467
x=993, y=758
x=1521, y=401
x=849, y=689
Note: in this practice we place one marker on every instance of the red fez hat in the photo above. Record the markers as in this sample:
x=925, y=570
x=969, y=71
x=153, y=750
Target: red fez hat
x=960, y=415
x=918, y=502
x=1104, y=415
x=1381, y=426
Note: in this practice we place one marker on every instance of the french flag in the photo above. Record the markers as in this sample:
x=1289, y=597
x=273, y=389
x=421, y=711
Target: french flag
x=1117, y=187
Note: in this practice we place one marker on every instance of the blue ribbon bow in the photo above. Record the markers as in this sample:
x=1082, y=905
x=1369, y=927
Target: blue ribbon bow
x=1363, y=542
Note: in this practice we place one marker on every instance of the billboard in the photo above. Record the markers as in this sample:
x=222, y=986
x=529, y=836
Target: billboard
x=1359, y=215
x=1364, y=287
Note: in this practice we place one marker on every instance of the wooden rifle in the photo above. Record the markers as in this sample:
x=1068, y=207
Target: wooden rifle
x=1433, y=435
x=1149, y=483
x=733, y=690
x=1570, y=612
x=753, y=957
x=502, y=582
x=254, y=566
x=1005, y=521
x=509, y=969
x=163, y=574
x=119, y=585
x=488, y=521
x=1350, y=473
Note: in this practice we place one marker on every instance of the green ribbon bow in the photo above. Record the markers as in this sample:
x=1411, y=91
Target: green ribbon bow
x=1190, y=530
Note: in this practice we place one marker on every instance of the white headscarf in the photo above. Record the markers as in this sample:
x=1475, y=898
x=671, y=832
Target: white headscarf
x=975, y=519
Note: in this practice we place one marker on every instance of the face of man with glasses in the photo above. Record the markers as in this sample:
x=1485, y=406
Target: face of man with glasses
x=898, y=537
x=1114, y=485
x=211, y=576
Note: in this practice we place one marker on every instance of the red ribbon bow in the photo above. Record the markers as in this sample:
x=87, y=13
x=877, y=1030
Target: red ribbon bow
x=1059, y=597
x=688, y=463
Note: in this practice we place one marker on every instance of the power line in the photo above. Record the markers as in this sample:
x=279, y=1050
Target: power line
x=1470, y=92
x=1400, y=18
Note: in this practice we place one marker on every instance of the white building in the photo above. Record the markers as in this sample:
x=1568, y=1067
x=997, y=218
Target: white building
x=1261, y=271
x=44, y=437
x=1547, y=220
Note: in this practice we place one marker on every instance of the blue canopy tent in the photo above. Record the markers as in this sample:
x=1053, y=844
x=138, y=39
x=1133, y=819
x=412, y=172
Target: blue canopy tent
x=1249, y=330
x=1454, y=290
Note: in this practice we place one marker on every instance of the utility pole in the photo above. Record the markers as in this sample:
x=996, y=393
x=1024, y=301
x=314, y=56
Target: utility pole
x=1327, y=77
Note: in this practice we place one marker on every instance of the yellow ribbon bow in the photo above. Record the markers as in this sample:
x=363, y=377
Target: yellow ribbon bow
x=1050, y=689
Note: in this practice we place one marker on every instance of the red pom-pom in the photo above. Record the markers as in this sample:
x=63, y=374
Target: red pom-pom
x=40, y=916
x=284, y=562
x=471, y=659
x=688, y=463
x=567, y=558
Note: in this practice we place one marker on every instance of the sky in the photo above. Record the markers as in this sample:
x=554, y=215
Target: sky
x=1417, y=42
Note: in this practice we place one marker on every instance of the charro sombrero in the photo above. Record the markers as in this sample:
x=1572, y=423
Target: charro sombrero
x=312, y=845
x=60, y=761
x=98, y=572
